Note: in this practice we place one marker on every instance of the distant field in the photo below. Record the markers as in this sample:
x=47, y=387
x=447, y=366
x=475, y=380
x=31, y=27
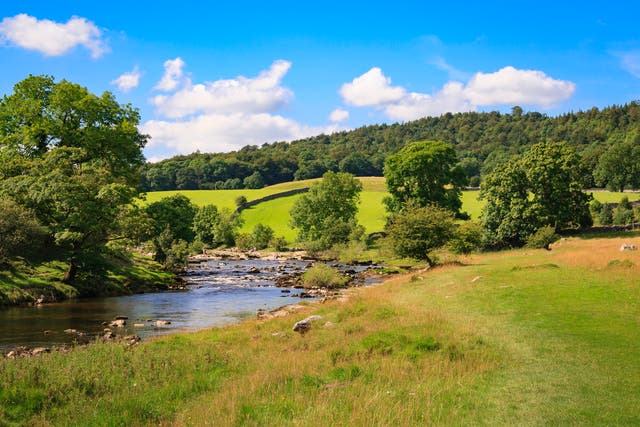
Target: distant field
x=275, y=213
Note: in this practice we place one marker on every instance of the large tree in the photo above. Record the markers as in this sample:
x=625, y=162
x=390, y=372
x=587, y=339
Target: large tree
x=619, y=167
x=544, y=187
x=327, y=213
x=72, y=158
x=424, y=173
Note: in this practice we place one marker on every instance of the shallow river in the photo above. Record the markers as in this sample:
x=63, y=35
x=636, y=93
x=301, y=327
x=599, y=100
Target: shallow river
x=218, y=293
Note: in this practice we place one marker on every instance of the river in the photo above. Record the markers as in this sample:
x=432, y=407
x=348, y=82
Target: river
x=218, y=293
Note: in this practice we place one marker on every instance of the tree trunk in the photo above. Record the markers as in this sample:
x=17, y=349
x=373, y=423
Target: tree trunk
x=70, y=275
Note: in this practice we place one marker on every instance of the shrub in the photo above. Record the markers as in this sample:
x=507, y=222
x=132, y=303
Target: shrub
x=261, y=235
x=19, y=230
x=323, y=276
x=177, y=256
x=244, y=242
x=542, y=238
x=241, y=201
x=606, y=215
x=279, y=244
x=416, y=231
x=467, y=238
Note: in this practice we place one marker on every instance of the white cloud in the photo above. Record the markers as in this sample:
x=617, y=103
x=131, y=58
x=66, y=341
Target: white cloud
x=631, y=62
x=339, y=115
x=260, y=94
x=507, y=86
x=415, y=105
x=172, y=75
x=512, y=86
x=371, y=89
x=52, y=38
x=226, y=132
x=128, y=81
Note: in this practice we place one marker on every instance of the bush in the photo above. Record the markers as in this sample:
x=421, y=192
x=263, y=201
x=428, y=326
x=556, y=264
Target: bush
x=542, y=238
x=606, y=215
x=416, y=231
x=279, y=244
x=261, y=235
x=244, y=242
x=19, y=230
x=177, y=256
x=467, y=238
x=241, y=201
x=323, y=276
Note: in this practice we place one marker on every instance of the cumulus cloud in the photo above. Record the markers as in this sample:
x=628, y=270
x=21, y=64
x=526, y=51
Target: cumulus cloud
x=226, y=132
x=512, y=86
x=507, y=86
x=52, y=38
x=371, y=89
x=226, y=114
x=172, y=75
x=631, y=62
x=128, y=80
x=263, y=93
x=339, y=115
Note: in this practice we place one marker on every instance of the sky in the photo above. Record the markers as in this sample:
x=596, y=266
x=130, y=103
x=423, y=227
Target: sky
x=216, y=76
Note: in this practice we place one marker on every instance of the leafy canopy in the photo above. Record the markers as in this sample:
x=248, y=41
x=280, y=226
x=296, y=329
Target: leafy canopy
x=327, y=213
x=423, y=173
x=541, y=188
x=71, y=158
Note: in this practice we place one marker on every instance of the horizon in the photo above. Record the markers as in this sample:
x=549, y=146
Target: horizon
x=215, y=79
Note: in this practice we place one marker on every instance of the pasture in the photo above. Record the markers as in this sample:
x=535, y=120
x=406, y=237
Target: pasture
x=372, y=214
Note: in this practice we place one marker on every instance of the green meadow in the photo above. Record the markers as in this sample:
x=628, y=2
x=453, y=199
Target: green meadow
x=523, y=337
x=372, y=214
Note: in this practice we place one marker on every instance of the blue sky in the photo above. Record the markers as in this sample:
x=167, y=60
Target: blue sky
x=216, y=76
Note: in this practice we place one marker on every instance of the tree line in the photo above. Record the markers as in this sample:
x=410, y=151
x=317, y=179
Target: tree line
x=606, y=141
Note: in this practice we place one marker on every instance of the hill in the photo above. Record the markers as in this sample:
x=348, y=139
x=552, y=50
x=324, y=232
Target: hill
x=481, y=140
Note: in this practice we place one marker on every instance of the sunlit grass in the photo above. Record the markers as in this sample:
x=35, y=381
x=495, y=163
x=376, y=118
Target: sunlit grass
x=524, y=337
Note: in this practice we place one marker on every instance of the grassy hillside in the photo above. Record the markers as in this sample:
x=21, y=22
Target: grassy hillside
x=526, y=337
x=371, y=215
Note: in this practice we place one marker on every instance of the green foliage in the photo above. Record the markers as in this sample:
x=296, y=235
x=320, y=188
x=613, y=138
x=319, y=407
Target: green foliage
x=542, y=238
x=467, y=238
x=175, y=213
x=20, y=232
x=605, y=217
x=424, y=173
x=542, y=187
x=241, y=201
x=72, y=158
x=326, y=214
x=323, y=276
x=279, y=244
x=244, y=241
x=262, y=236
x=416, y=231
x=619, y=166
x=254, y=181
x=224, y=229
x=623, y=213
x=177, y=257
x=203, y=223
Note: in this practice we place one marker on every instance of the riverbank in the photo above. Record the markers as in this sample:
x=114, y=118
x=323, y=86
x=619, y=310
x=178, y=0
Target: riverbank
x=25, y=282
x=524, y=337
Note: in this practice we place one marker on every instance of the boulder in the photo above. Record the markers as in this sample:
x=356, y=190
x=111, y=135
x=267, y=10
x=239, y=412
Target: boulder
x=118, y=323
x=303, y=326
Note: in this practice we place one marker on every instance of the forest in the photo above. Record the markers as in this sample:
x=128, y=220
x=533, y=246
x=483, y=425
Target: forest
x=603, y=138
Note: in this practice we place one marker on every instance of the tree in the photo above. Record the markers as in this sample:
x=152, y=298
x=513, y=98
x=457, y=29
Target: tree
x=72, y=158
x=541, y=188
x=424, y=173
x=261, y=235
x=327, y=213
x=416, y=231
x=203, y=223
x=619, y=166
x=175, y=213
x=19, y=230
x=254, y=181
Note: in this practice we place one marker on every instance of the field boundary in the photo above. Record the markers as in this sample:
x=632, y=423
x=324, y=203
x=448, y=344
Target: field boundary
x=271, y=197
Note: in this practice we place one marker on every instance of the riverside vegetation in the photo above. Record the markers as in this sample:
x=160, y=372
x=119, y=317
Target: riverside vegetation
x=523, y=337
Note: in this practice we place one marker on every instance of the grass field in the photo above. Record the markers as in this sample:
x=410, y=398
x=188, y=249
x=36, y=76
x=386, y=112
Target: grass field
x=525, y=337
x=275, y=213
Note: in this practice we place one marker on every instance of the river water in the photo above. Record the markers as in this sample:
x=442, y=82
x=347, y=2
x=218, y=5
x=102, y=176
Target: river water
x=218, y=293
